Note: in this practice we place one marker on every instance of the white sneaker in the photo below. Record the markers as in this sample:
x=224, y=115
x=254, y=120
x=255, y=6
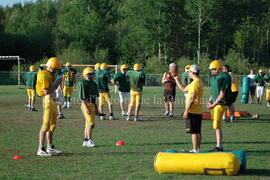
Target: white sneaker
x=268, y=105
x=68, y=105
x=123, y=113
x=90, y=143
x=137, y=119
x=193, y=151
x=42, y=152
x=65, y=105
x=112, y=118
x=171, y=114
x=53, y=151
x=166, y=113
x=128, y=118
x=102, y=117
x=84, y=143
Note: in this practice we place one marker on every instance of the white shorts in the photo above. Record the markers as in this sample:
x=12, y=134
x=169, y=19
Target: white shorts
x=259, y=91
x=123, y=96
x=59, y=95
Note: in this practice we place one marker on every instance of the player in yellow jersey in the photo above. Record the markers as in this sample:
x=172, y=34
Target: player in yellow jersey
x=193, y=109
x=46, y=86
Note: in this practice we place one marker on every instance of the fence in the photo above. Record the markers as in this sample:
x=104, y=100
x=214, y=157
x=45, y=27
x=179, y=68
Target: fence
x=11, y=78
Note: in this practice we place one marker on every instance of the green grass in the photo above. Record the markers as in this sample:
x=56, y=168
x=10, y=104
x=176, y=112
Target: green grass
x=19, y=136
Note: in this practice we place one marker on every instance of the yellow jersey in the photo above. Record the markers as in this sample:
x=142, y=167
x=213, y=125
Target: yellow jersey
x=195, y=87
x=44, y=81
x=235, y=85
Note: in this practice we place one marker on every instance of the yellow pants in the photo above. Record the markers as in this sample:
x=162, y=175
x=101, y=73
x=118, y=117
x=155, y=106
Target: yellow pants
x=267, y=94
x=67, y=91
x=31, y=93
x=135, y=98
x=89, y=118
x=49, y=114
x=104, y=96
x=216, y=115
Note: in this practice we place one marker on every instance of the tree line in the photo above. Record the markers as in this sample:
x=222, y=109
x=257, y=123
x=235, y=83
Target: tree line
x=152, y=32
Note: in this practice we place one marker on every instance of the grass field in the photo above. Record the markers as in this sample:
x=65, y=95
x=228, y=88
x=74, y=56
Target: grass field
x=19, y=136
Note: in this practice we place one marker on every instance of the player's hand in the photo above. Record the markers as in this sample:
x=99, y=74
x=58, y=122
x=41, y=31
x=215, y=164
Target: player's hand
x=175, y=78
x=185, y=115
x=88, y=111
x=210, y=106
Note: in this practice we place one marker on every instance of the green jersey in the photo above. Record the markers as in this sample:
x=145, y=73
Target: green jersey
x=267, y=79
x=69, y=75
x=259, y=79
x=121, y=78
x=218, y=83
x=103, y=77
x=136, y=80
x=185, y=79
x=87, y=90
x=58, y=73
x=31, y=79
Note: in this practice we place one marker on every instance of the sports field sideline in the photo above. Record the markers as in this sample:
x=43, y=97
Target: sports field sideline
x=19, y=136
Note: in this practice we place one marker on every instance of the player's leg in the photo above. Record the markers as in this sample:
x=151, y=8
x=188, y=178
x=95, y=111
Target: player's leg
x=50, y=146
x=45, y=127
x=268, y=97
x=132, y=103
x=121, y=101
x=138, y=98
x=218, y=112
x=65, y=96
x=100, y=106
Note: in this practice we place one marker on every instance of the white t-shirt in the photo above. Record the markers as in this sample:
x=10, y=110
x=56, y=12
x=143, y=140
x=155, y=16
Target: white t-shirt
x=251, y=77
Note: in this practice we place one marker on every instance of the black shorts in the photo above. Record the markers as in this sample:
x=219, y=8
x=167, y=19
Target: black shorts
x=169, y=95
x=252, y=90
x=194, y=123
x=233, y=97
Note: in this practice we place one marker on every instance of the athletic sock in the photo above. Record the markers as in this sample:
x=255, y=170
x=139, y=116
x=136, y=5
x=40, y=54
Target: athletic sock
x=40, y=147
x=219, y=146
x=49, y=146
x=65, y=98
x=86, y=139
x=111, y=114
x=68, y=99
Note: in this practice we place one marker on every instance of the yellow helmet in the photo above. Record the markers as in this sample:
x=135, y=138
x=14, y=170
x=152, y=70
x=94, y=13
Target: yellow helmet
x=97, y=66
x=124, y=66
x=260, y=70
x=216, y=64
x=104, y=66
x=87, y=71
x=68, y=64
x=137, y=67
x=32, y=68
x=54, y=62
x=187, y=68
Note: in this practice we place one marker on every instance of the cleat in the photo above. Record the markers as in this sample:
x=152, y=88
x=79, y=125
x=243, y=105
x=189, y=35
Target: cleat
x=102, y=117
x=137, y=119
x=112, y=118
x=60, y=116
x=128, y=118
x=171, y=114
x=42, y=152
x=84, y=143
x=193, y=151
x=53, y=151
x=167, y=113
x=90, y=143
x=217, y=149
x=33, y=109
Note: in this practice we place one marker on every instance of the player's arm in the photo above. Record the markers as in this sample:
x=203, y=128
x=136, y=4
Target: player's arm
x=180, y=85
x=164, y=78
x=54, y=86
x=219, y=98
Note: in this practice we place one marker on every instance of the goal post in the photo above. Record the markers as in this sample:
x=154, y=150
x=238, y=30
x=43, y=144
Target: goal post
x=14, y=58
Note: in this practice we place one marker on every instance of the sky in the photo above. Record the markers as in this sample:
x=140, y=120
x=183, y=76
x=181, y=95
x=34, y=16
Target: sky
x=11, y=2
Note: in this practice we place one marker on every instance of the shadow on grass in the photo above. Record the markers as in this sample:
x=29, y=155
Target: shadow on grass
x=258, y=172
